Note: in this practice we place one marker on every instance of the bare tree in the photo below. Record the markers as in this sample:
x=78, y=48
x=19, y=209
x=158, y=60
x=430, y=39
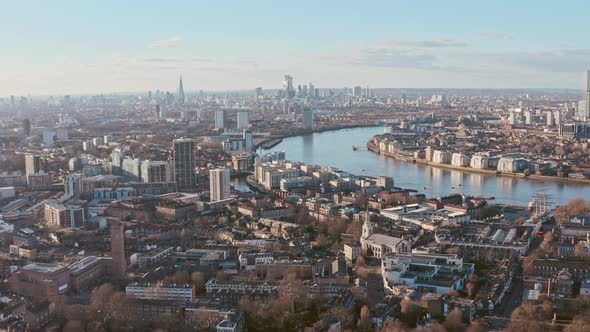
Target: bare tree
x=454, y=321
x=546, y=246
x=581, y=322
x=581, y=250
x=470, y=289
x=477, y=325
x=393, y=326
x=561, y=215
x=578, y=206
x=355, y=228
x=181, y=277
x=520, y=221
x=220, y=275
x=527, y=264
x=530, y=317
x=198, y=279
x=365, y=319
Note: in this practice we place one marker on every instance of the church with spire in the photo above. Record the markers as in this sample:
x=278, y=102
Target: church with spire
x=379, y=245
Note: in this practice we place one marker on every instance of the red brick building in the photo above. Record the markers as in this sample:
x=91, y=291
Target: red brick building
x=41, y=281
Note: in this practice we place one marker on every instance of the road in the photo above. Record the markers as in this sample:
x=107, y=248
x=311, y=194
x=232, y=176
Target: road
x=512, y=299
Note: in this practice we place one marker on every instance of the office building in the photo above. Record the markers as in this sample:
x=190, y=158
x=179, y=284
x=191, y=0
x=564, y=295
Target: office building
x=131, y=169
x=72, y=184
x=175, y=293
x=438, y=273
x=386, y=182
x=41, y=181
x=156, y=171
x=233, y=144
x=219, y=185
x=7, y=192
x=87, y=145
x=579, y=130
x=57, y=215
x=288, y=86
x=184, y=164
x=62, y=133
x=242, y=119
x=512, y=118
x=248, y=137
x=550, y=119
x=41, y=281
x=48, y=138
x=270, y=157
x=259, y=93
x=98, y=141
x=220, y=119
x=117, y=157
x=557, y=116
x=89, y=272
x=27, y=127
x=307, y=118
x=311, y=92
x=357, y=91
x=584, y=105
x=32, y=164
x=528, y=117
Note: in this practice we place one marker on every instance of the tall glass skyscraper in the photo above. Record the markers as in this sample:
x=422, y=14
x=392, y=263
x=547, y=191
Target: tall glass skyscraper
x=288, y=86
x=584, y=104
x=307, y=118
x=184, y=164
x=180, y=91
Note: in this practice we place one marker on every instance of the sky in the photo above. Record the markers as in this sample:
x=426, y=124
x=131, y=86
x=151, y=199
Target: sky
x=84, y=47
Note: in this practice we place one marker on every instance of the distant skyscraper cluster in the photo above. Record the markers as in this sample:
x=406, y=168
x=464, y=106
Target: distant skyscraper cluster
x=359, y=92
x=289, y=91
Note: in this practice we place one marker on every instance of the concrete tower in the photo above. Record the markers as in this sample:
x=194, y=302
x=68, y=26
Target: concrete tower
x=219, y=186
x=118, y=250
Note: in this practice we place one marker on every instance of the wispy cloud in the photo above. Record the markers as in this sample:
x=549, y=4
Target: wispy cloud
x=166, y=43
x=456, y=56
x=161, y=60
x=552, y=60
x=431, y=43
x=496, y=35
x=411, y=54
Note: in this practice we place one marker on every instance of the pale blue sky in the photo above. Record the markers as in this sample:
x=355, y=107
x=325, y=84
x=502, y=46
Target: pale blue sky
x=59, y=47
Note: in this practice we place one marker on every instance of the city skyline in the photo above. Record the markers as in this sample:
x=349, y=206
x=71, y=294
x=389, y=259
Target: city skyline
x=322, y=166
x=239, y=46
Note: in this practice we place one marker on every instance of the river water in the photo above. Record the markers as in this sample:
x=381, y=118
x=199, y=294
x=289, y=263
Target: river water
x=334, y=148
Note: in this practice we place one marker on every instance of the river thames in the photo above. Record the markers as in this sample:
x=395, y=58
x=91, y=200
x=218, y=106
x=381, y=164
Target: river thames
x=334, y=148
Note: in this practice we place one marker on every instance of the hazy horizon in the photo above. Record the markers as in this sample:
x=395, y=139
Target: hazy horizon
x=251, y=91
